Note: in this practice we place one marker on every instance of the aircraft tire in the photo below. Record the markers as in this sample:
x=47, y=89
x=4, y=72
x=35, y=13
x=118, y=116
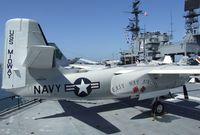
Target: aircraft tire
x=158, y=108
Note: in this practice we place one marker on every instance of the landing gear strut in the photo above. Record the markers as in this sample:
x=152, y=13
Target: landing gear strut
x=185, y=92
x=158, y=108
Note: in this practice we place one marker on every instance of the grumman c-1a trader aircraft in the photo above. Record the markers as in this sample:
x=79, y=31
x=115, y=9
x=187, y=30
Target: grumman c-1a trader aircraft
x=30, y=70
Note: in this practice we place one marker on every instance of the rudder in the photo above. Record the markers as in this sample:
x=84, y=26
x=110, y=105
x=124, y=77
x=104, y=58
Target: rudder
x=22, y=36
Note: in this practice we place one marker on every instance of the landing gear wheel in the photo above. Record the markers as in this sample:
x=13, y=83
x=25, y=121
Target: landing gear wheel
x=158, y=108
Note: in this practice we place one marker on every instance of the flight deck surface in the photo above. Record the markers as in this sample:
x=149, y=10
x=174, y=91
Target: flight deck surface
x=119, y=117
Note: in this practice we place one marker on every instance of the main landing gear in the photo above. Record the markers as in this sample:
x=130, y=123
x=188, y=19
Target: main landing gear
x=158, y=108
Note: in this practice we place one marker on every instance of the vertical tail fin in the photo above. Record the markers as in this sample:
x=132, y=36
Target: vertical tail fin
x=24, y=47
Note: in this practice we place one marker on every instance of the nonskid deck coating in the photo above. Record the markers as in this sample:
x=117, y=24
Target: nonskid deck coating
x=119, y=117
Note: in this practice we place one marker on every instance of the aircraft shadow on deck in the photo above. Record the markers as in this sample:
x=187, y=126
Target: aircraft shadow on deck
x=91, y=117
x=182, y=108
x=86, y=115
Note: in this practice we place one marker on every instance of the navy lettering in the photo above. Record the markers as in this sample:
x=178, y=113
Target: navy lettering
x=51, y=88
x=58, y=87
x=37, y=90
x=45, y=89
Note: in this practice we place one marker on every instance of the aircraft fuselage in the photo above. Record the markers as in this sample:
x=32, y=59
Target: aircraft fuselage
x=100, y=84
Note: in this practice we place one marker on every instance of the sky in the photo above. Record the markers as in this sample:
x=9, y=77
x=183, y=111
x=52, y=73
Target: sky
x=92, y=29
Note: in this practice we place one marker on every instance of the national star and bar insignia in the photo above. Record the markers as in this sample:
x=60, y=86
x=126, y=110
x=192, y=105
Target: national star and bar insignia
x=82, y=87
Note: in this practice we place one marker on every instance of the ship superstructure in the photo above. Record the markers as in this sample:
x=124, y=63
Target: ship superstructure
x=147, y=46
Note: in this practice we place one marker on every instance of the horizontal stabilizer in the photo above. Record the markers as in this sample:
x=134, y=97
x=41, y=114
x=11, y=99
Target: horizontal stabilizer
x=40, y=57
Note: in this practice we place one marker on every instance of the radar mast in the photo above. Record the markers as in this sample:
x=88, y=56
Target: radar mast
x=133, y=26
